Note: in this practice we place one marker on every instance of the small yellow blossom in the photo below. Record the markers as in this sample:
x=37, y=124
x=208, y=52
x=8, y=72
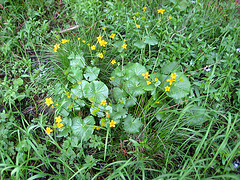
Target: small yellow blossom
x=144, y=8
x=107, y=114
x=100, y=55
x=124, y=40
x=104, y=28
x=103, y=124
x=65, y=40
x=93, y=47
x=146, y=75
x=156, y=79
x=103, y=43
x=167, y=88
x=112, y=36
x=79, y=82
x=170, y=81
x=137, y=25
x=69, y=96
x=48, y=101
x=58, y=119
x=52, y=106
x=83, y=41
x=94, y=127
x=57, y=104
x=149, y=82
x=121, y=101
x=161, y=11
x=99, y=38
x=104, y=102
x=113, y=62
x=124, y=46
x=169, y=17
x=56, y=47
x=97, y=128
x=157, y=102
x=88, y=44
x=134, y=17
x=159, y=20
x=112, y=123
x=59, y=125
x=174, y=75
x=49, y=130
x=79, y=38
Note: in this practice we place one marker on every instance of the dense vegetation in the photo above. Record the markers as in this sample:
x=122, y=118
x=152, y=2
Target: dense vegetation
x=119, y=89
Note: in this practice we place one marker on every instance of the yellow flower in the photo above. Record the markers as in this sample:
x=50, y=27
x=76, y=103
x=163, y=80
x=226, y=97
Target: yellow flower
x=103, y=124
x=100, y=55
x=69, y=96
x=104, y=102
x=161, y=11
x=48, y=101
x=107, y=114
x=65, y=40
x=159, y=20
x=124, y=40
x=79, y=38
x=149, y=82
x=137, y=25
x=112, y=36
x=52, y=106
x=57, y=104
x=49, y=130
x=112, y=123
x=83, y=41
x=167, y=88
x=102, y=43
x=169, y=17
x=170, y=81
x=124, y=46
x=174, y=75
x=134, y=17
x=58, y=119
x=144, y=8
x=79, y=82
x=156, y=79
x=146, y=75
x=93, y=47
x=99, y=38
x=88, y=44
x=104, y=28
x=97, y=128
x=59, y=125
x=113, y=62
x=57, y=46
x=157, y=102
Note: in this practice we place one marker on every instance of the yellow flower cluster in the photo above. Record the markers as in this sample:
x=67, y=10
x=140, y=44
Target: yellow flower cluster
x=173, y=77
x=56, y=47
x=48, y=102
x=101, y=41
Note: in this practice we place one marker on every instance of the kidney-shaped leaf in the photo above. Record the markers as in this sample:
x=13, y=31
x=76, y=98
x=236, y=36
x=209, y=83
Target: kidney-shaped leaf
x=132, y=125
x=96, y=91
x=83, y=128
x=91, y=73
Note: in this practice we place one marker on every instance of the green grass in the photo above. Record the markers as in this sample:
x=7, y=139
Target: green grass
x=190, y=132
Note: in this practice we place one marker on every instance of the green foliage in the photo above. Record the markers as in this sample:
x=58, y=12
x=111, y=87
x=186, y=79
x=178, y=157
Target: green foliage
x=164, y=106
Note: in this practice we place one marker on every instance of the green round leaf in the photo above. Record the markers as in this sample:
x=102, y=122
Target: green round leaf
x=132, y=125
x=96, y=91
x=91, y=73
x=83, y=128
